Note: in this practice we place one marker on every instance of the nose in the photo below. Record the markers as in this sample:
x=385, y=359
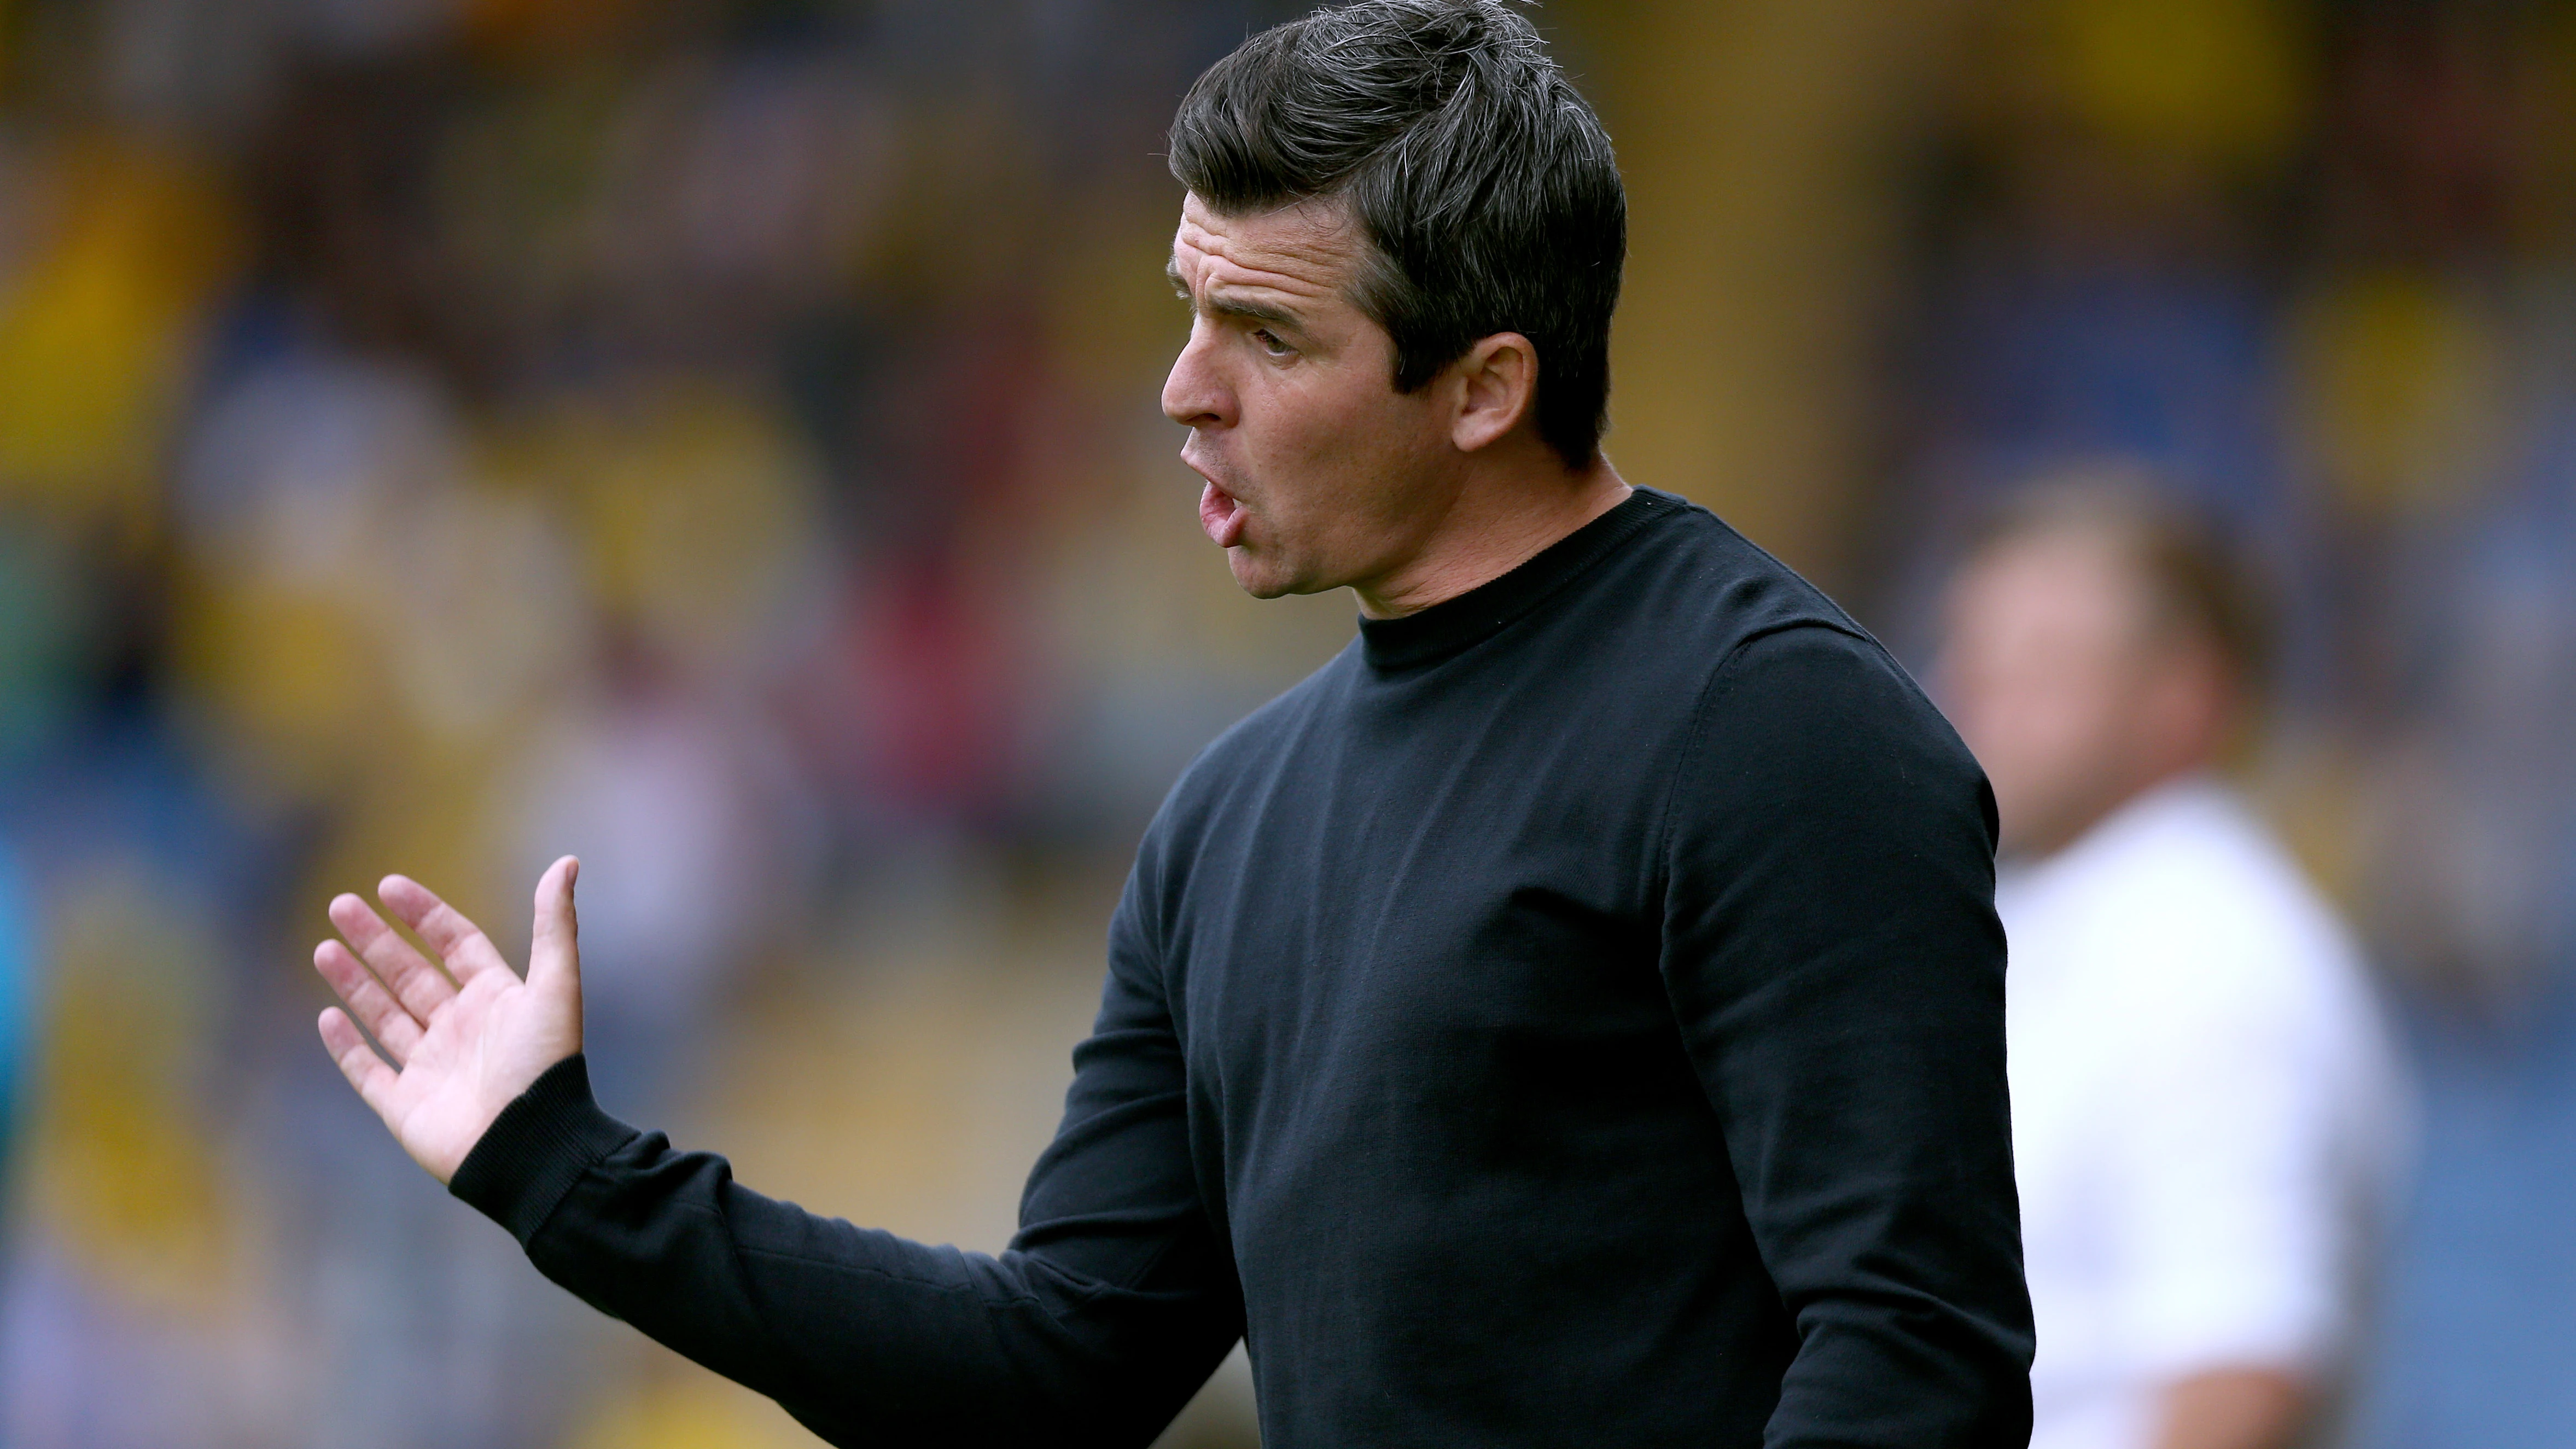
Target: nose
x=1194, y=396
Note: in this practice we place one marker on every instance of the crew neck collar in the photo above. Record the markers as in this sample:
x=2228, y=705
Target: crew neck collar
x=1454, y=625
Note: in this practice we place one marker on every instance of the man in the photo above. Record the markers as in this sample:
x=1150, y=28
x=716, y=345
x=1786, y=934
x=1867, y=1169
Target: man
x=2200, y=1082
x=1572, y=1016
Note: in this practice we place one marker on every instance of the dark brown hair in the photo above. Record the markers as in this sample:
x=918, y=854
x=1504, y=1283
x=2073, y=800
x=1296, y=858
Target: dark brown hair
x=1482, y=179
x=2196, y=583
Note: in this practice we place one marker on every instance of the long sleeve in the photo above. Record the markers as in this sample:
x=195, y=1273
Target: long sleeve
x=1111, y=1306
x=1836, y=968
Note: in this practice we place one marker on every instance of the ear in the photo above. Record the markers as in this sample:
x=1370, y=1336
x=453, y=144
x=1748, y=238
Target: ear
x=1494, y=384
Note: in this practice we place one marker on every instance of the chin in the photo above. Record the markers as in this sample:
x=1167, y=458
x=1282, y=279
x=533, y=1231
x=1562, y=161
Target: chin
x=1253, y=579
x=1265, y=577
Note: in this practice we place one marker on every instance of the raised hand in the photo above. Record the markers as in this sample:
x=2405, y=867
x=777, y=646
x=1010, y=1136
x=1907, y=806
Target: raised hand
x=465, y=1041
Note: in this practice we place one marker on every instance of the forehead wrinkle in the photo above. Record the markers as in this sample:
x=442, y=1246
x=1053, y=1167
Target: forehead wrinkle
x=1307, y=261
x=1256, y=267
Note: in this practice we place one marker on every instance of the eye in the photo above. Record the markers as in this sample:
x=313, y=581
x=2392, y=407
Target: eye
x=1270, y=343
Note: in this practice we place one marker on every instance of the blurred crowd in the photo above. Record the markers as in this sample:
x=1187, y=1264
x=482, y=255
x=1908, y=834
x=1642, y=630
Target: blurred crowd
x=2314, y=268
x=718, y=437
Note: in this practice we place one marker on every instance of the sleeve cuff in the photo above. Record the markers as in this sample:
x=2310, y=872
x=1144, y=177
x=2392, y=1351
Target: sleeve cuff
x=540, y=1145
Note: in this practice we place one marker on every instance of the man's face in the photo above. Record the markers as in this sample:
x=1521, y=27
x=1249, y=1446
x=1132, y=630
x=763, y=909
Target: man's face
x=2056, y=683
x=1319, y=473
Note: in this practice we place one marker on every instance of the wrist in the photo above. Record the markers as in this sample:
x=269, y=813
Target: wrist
x=537, y=1148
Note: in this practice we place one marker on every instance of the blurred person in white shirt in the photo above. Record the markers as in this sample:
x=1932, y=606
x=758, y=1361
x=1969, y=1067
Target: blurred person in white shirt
x=2205, y=1103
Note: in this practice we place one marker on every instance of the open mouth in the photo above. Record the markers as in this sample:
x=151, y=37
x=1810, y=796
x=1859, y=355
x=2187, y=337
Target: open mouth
x=1222, y=515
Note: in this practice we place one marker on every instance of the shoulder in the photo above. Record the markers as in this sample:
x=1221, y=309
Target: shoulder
x=1764, y=637
x=2207, y=912
x=2209, y=958
x=1823, y=695
x=2206, y=866
x=1698, y=577
x=1741, y=628
x=1785, y=689
x=1810, y=731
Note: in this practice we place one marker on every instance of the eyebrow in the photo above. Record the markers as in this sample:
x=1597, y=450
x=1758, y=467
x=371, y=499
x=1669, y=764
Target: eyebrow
x=1233, y=307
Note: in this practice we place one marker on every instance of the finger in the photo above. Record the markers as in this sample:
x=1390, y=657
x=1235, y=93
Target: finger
x=459, y=942
x=374, y=1007
x=420, y=987
x=555, y=952
x=358, y=1061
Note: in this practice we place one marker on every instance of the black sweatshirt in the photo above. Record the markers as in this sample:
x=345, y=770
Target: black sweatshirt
x=1573, y=1016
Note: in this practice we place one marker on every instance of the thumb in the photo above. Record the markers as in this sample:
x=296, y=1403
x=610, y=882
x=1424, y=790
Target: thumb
x=554, y=954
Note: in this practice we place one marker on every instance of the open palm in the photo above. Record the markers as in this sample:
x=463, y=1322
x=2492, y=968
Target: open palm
x=464, y=1041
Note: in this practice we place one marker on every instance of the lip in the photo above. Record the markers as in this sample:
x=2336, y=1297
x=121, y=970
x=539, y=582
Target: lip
x=1221, y=510
x=1222, y=515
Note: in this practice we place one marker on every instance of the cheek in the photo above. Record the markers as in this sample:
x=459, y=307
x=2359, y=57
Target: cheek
x=2035, y=724
x=1297, y=422
x=2080, y=741
x=1325, y=436
x=1385, y=439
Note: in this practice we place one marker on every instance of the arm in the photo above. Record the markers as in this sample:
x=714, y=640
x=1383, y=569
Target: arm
x=1836, y=968
x=2233, y=1408
x=1110, y=1308
x=2226, y=1211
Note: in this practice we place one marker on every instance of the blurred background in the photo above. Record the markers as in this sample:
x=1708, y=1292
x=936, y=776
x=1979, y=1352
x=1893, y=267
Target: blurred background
x=719, y=437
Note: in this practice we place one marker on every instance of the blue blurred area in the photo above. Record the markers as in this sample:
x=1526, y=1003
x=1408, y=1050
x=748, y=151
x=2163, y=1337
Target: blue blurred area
x=17, y=1002
x=2474, y=1351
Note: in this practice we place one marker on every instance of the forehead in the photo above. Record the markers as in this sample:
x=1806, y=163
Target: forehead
x=2063, y=581
x=1304, y=249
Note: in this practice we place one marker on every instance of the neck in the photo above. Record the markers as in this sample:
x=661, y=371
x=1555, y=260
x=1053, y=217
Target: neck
x=1494, y=525
x=2080, y=824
